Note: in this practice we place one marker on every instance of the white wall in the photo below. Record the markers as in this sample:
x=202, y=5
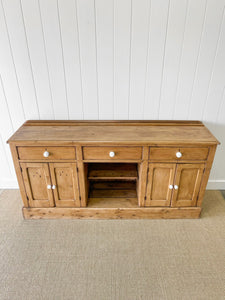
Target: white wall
x=112, y=59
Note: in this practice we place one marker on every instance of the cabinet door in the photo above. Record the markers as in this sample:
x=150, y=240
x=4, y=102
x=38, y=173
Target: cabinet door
x=187, y=184
x=65, y=184
x=36, y=178
x=160, y=179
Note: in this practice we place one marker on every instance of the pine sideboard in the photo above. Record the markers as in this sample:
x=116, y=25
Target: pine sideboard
x=112, y=169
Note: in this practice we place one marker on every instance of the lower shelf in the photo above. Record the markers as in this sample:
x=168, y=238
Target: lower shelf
x=112, y=202
x=112, y=213
x=112, y=194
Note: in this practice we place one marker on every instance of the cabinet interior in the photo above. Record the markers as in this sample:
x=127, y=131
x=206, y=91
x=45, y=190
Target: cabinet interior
x=112, y=184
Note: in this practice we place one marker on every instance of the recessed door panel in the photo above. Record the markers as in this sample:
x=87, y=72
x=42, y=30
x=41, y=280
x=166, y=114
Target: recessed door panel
x=37, y=180
x=160, y=179
x=187, y=184
x=65, y=184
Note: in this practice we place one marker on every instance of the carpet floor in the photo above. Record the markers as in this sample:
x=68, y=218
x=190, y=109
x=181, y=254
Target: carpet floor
x=112, y=259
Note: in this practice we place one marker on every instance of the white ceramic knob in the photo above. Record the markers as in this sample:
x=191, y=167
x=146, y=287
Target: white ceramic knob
x=178, y=154
x=176, y=187
x=170, y=186
x=46, y=154
x=111, y=154
x=53, y=187
x=49, y=186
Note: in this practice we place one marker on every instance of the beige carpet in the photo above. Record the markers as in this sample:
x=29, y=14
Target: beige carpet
x=112, y=259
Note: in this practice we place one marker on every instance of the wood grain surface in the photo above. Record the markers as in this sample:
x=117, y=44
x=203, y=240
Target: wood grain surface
x=143, y=179
x=134, y=133
x=112, y=213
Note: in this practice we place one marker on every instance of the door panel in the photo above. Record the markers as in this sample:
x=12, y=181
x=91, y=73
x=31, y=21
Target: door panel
x=188, y=179
x=36, y=179
x=64, y=177
x=160, y=177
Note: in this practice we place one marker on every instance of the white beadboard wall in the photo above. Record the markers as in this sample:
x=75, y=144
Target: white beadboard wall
x=112, y=59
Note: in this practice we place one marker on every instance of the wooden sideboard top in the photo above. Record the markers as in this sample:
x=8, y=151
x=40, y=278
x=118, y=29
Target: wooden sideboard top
x=121, y=132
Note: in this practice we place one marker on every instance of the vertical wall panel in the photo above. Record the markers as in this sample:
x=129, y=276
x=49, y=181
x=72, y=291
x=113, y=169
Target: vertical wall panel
x=9, y=75
x=122, y=26
x=217, y=82
x=173, y=54
x=213, y=23
x=71, y=52
x=3, y=162
x=139, y=50
x=191, y=45
x=157, y=36
x=214, y=108
x=52, y=36
x=105, y=56
x=218, y=128
x=21, y=57
x=6, y=130
x=6, y=126
x=36, y=46
x=87, y=34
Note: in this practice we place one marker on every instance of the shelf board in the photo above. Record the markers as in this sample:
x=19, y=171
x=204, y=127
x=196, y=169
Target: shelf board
x=113, y=189
x=113, y=194
x=111, y=185
x=117, y=171
x=122, y=193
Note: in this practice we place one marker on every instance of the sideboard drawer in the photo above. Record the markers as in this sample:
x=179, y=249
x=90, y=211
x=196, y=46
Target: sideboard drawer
x=46, y=153
x=194, y=153
x=167, y=154
x=112, y=153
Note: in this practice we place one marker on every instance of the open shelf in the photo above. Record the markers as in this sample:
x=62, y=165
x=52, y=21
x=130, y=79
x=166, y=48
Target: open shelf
x=113, y=189
x=112, y=185
x=112, y=194
x=108, y=171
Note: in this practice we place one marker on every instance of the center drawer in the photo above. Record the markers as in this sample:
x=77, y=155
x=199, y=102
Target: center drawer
x=112, y=153
x=46, y=153
x=176, y=153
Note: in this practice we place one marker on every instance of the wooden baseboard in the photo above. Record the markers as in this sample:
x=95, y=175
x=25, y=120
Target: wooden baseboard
x=112, y=213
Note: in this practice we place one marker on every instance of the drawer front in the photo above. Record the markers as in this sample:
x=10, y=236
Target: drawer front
x=112, y=153
x=46, y=153
x=173, y=153
x=194, y=153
